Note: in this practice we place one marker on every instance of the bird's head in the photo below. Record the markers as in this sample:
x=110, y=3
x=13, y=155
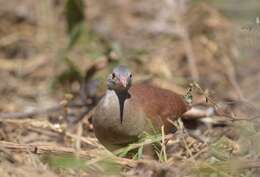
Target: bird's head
x=120, y=79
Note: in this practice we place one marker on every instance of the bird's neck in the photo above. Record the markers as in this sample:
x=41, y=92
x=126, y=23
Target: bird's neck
x=122, y=95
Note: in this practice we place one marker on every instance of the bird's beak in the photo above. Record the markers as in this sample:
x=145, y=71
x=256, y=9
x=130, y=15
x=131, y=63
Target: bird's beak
x=123, y=81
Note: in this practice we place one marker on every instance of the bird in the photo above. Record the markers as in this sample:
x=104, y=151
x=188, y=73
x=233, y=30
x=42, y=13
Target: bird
x=128, y=110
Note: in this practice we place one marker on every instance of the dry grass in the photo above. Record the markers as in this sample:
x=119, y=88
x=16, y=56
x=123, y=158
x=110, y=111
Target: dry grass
x=48, y=88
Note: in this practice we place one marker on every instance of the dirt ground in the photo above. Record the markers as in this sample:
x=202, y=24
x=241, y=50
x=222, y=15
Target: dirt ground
x=52, y=78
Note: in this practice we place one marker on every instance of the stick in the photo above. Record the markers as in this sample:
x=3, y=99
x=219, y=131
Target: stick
x=38, y=148
x=16, y=115
x=185, y=36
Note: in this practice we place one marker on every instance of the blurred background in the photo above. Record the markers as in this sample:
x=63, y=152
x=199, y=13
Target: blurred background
x=55, y=56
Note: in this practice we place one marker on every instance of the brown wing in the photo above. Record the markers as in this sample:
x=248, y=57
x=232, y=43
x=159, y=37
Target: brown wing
x=158, y=104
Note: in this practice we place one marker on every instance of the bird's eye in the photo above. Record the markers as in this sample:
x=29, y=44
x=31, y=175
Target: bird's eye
x=113, y=75
x=130, y=75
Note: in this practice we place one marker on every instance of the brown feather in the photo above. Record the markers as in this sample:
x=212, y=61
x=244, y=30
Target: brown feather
x=158, y=104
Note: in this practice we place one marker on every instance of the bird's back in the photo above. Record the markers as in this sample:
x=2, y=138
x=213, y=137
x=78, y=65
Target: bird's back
x=158, y=104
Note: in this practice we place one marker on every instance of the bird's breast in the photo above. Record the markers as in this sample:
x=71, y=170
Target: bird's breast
x=106, y=121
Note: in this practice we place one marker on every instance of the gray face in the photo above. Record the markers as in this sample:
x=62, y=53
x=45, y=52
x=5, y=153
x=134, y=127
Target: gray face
x=120, y=79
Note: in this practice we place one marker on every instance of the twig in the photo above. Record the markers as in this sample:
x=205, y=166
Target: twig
x=179, y=11
x=87, y=114
x=251, y=164
x=190, y=54
x=8, y=155
x=163, y=144
x=16, y=115
x=222, y=173
x=33, y=67
x=78, y=138
x=184, y=140
x=49, y=129
x=216, y=106
x=87, y=140
x=38, y=148
x=205, y=149
x=19, y=115
x=231, y=73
